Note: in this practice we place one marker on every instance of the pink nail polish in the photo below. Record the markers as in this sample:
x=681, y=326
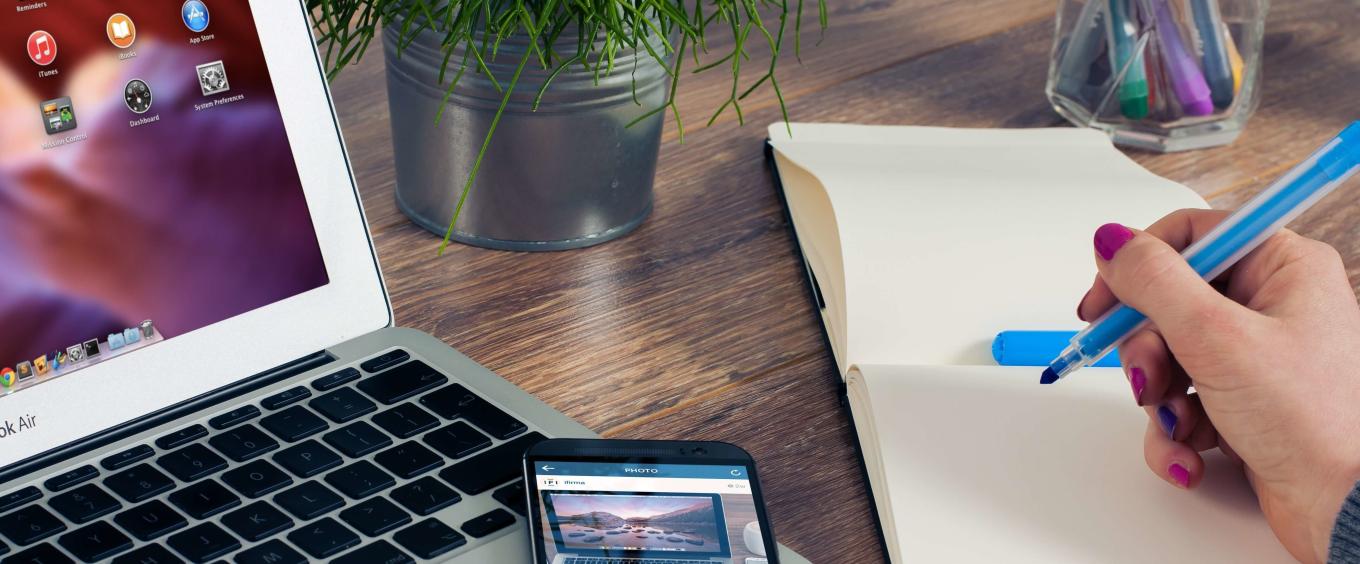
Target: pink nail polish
x=1179, y=474
x=1138, y=380
x=1110, y=238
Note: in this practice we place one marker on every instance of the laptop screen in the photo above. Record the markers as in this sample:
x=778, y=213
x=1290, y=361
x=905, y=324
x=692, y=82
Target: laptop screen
x=147, y=185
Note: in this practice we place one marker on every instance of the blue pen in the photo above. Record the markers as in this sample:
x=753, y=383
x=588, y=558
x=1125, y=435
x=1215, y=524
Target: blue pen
x=1227, y=243
x=1217, y=68
x=1036, y=348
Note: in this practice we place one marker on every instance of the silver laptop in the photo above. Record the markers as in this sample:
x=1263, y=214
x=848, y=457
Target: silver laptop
x=197, y=358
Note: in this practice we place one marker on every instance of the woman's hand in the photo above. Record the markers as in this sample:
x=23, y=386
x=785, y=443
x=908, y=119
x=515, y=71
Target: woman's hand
x=1272, y=350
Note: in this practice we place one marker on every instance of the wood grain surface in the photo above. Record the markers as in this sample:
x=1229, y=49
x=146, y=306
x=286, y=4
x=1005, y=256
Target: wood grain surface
x=698, y=325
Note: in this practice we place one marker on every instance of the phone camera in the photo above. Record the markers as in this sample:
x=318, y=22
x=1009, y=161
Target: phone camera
x=700, y=451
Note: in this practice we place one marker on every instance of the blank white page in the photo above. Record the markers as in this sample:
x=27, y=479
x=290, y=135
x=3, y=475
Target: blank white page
x=983, y=464
x=949, y=236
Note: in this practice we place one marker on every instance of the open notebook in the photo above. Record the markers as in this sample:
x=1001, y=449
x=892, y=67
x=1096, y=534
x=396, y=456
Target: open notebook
x=922, y=244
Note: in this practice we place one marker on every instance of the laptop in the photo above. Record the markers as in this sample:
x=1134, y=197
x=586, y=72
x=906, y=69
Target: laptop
x=197, y=354
x=666, y=528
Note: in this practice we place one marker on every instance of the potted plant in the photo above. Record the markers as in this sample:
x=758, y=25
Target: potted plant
x=536, y=124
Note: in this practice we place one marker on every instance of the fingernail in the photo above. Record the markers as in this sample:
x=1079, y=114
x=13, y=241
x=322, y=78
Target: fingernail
x=1137, y=379
x=1168, y=420
x=1110, y=237
x=1179, y=474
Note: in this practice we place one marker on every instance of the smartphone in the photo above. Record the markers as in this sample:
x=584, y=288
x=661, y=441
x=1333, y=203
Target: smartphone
x=676, y=502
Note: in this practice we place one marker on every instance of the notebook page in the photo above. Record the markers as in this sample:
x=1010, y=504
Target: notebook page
x=949, y=236
x=984, y=464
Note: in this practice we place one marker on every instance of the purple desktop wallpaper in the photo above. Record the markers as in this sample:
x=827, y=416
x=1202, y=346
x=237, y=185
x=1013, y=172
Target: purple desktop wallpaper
x=187, y=214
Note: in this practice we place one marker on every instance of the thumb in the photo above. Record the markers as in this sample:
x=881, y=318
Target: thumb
x=1148, y=275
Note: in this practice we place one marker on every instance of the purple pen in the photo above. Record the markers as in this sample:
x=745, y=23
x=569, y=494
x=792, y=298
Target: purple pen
x=1188, y=83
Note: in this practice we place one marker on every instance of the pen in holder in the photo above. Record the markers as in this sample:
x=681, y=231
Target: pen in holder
x=1162, y=75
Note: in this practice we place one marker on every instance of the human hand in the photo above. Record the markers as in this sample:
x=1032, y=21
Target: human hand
x=1272, y=350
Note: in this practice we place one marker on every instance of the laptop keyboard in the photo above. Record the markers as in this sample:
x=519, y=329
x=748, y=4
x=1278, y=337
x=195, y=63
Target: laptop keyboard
x=308, y=473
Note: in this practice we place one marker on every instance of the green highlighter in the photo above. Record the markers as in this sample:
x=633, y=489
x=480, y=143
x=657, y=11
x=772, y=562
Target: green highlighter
x=1123, y=34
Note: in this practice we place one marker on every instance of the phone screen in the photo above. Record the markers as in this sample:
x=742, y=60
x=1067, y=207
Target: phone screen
x=682, y=512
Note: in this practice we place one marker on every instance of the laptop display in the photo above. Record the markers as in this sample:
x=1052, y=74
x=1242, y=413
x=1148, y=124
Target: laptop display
x=148, y=188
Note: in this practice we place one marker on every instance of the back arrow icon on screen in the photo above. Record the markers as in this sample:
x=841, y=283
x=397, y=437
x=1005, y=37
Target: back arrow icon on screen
x=547, y=468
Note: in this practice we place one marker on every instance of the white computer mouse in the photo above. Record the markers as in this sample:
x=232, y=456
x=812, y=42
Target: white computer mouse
x=755, y=542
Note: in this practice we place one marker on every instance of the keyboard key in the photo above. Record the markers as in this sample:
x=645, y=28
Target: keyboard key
x=84, y=504
x=324, y=538
x=19, y=497
x=41, y=554
x=182, y=437
x=309, y=500
x=375, y=517
x=128, y=457
x=257, y=521
x=307, y=459
x=243, y=443
x=360, y=480
x=408, y=460
x=257, y=479
x=95, y=542
x=457, y=440
x=381, y=552
x=293, y=424
x=425, y=496
x=488, y=523
x=332, y=381
x=491, y=468
x=405, y=421
x=272, y=552
x=204, y=499
x=402, y=382
x=150, y=520
x=285, y=398
x=71, y=478
x=29, y=525
x=150, y=554
x=141, y=482
x=450, y=401
x=234, y=417
x=513, y=496
x=429, y=538
x=192, y=462
x=343, y=405
x=358, y=439
x=385, y=360
x=495, y=422
x=203, y=543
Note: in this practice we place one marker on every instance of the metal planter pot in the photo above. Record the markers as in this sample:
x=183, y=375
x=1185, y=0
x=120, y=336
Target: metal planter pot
x=566, y=176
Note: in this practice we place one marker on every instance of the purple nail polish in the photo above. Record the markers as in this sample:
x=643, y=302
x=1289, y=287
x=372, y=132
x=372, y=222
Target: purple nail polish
x=1110, y=238
x=1179, y=474
x=1138, y=380
x=1168, y=420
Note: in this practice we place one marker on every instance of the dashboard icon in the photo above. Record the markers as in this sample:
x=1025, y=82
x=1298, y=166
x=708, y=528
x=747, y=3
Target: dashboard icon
x=195, y=15
x=137, y=96
x=121, y=31
x=42, y=48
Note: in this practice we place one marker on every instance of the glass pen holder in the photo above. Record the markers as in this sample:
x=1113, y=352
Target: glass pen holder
x=1161, y=75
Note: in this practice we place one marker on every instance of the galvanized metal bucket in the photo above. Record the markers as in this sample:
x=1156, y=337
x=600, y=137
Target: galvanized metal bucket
x=566, y=176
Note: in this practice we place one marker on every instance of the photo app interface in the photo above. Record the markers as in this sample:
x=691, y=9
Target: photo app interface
x=147, y=185
x=658, y=511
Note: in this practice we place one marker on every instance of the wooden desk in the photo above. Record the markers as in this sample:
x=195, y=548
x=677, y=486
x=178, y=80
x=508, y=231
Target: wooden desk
x=698, y=325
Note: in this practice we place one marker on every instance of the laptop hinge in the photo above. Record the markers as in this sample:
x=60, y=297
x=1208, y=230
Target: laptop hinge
x=208, y=400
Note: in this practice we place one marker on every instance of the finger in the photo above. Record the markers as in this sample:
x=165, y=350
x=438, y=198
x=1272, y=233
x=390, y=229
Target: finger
x=1178, y=229
x=1151, y=277
x=1178, y=464
x=1147, y=365
x=1203, y=436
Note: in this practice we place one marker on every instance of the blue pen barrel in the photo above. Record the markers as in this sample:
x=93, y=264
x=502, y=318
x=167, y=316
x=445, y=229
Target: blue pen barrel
x=1037, y=348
